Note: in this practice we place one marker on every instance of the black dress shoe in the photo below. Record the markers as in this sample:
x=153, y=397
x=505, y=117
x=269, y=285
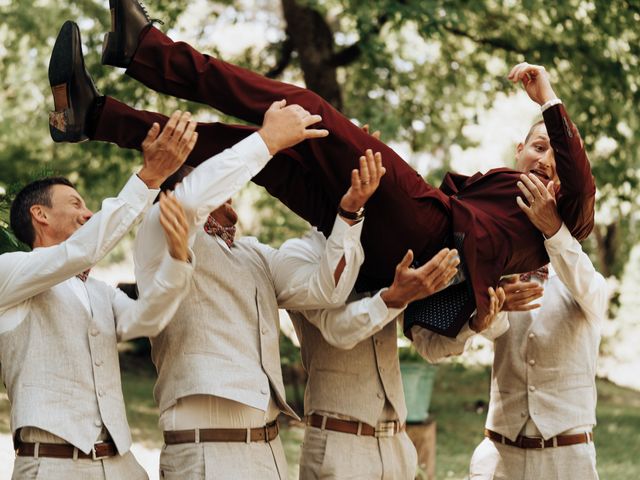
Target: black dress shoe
x=73, y=90
x=128, y=19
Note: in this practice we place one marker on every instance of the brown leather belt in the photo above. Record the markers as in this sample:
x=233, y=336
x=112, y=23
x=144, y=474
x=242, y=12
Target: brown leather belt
x=260, y=434
x=382, y=429
x=539, y=442
x=64, y=450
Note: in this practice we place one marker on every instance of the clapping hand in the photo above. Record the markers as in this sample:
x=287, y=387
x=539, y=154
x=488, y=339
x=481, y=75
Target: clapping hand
x=496, y=302
x=364, y=181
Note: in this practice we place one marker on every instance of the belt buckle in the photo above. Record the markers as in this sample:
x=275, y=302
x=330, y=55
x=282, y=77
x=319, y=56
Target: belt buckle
x=386, y=429
x=94, y=456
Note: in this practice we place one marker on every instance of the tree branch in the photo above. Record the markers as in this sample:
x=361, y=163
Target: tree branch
x=492, y=42
x=286, y=51
x=351, y=53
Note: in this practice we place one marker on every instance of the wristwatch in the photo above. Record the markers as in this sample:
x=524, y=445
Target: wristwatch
x=353, y=216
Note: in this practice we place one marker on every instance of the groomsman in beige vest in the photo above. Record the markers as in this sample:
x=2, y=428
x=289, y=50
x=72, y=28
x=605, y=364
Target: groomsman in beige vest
x=354, y=403
x=543, y=393
x=59, y=327
x=220, y=387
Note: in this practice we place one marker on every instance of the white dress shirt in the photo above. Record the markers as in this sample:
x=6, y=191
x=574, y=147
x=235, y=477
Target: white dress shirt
x=346, y=326
x=24, y=275
x=302, y=275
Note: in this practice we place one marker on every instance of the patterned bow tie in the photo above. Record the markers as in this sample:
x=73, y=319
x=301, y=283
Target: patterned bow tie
x=227, y=234
x=542, y=273
x=84, y=275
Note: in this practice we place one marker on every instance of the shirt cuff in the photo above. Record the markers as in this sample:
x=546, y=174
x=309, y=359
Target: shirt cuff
x=559, y=242
x=135, y=192
x=547, y=105
x=345, y=240
x=379, y=310
x=499, y=326
x=254, y=152
x=174, y=273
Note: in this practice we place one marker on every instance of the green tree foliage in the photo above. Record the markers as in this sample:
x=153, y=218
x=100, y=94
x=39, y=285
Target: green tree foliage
x=418, y=70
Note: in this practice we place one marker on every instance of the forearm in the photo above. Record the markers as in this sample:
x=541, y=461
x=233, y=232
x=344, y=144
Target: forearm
x=344, y=327
x=576, y=200
x=304, y=269
x=216, y=180
x=157, y=304
x=434, y=347
x=574, y=268
x=26, y=274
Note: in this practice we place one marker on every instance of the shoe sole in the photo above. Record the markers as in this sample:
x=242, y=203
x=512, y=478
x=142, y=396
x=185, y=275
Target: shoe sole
x=60, y=77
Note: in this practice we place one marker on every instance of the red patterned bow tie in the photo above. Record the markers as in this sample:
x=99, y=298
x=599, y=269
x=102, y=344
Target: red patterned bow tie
x=542, y=273
x=227, y=234
x=84, y=275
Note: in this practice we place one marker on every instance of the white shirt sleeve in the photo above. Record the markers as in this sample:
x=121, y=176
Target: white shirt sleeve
x=344, y=327
x=303, y=268
x=573, y=266
x=25, y=274
x=211, y=184
x=147, y=316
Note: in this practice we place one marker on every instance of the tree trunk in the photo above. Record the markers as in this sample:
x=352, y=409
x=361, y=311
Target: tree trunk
x=313, y=40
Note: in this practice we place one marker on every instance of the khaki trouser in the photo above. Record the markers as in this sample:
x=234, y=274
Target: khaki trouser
x=494, y=461
x=112, y=468
x=335, y=455
x=220, y=460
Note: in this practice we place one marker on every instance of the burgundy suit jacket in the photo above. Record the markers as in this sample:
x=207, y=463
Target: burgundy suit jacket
x=498, y=237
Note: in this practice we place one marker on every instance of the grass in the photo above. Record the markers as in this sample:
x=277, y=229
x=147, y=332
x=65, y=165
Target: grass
x=459, y=407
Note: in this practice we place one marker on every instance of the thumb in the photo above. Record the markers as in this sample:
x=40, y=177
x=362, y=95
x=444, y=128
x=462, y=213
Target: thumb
x=152, y=134
x=278, y=105
x=406, y=260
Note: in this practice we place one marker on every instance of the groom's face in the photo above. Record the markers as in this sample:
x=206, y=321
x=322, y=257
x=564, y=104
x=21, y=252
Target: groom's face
x=225, y=215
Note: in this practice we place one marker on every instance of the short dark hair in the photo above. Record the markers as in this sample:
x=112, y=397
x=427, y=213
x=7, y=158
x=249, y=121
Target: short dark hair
x=35, y=193
x=532, y=129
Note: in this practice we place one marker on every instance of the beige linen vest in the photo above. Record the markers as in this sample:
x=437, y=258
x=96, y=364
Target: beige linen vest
x=545, y=367
x=355, y=382
x=224, y=338
x=61, y=368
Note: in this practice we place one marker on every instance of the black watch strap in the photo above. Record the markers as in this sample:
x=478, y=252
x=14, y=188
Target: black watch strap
x=354, y=216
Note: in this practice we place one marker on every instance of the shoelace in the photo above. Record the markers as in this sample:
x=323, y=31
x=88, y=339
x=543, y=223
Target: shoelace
x=146, y=14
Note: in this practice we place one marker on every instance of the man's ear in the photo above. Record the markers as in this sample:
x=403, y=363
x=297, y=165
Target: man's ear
x=39, y=215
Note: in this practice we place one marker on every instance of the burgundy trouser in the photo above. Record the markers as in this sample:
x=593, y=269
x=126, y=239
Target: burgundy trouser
x=310, y=178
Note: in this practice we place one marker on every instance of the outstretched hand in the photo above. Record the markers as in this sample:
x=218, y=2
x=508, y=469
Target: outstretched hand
x=535, y=80
x=496, y=302
x=519, y=295
x=174, y=224
x=286, y=125
x=364, y=182
x=165, y=151
x=541, y=207
x=411, y=284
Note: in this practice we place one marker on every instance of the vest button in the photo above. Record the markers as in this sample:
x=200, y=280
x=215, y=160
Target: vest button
x=532, y=388
x=98, y=422
x=94, y=332
x=532, y=362
x=264, y=330
x=380, y=395
x=532, y=335
x=101, y=393
x=523, y=414
x=98, y=363
x=264, y=391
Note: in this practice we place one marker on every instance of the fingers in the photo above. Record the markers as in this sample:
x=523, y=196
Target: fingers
x=551, y=188
x=277, y=105
x=529, y=189
x=152, y=134
x=502, y=296
x=170, y=126
x=523, y=206
x=365, y=128
x=366, y=162
x=441, y=268
x=406, y=260
x=376, y=134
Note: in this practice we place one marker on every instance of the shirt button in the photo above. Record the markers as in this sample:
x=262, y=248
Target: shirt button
x=532, y=388
x=532, y=335
x=532, y=362
x=264, y=391
x=98, y=363
x=98, y=422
